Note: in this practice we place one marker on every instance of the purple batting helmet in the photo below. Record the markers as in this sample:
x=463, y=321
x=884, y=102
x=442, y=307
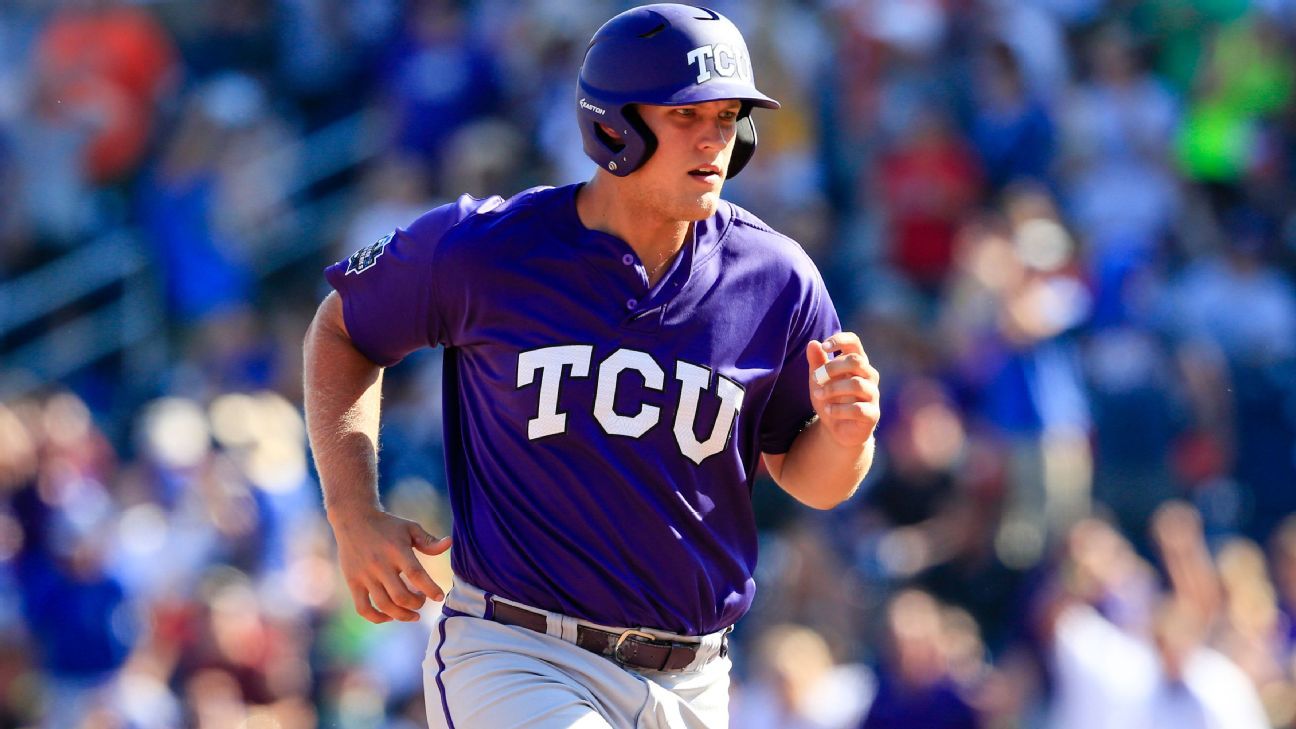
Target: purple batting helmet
x=668, y=55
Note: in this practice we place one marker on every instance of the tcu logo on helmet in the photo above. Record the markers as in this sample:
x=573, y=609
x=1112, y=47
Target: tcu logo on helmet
x=721, y=59
x=694, y=380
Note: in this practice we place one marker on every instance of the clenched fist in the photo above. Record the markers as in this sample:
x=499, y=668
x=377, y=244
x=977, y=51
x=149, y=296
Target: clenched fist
x=844, y=389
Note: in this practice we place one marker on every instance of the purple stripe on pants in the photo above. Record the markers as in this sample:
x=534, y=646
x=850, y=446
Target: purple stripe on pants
x=441, y=629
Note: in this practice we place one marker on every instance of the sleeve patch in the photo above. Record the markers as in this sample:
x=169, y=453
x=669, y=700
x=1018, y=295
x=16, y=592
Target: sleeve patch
x=365, y=258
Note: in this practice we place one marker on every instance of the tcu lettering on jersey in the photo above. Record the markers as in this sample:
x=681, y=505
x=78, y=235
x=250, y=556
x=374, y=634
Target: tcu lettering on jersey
x=719, y=59
x=550, y=362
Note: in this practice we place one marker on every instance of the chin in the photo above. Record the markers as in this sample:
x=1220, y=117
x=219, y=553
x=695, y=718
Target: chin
x=704, y=206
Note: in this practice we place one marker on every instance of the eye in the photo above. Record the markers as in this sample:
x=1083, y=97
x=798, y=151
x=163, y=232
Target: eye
x=729, y=116
x=686, y=112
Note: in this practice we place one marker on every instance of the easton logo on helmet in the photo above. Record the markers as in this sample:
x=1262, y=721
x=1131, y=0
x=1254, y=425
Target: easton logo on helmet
x=724, y=61
x=586, y=105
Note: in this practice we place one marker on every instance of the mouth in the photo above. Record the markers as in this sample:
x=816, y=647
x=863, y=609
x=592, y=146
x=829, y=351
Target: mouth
x=709, y=174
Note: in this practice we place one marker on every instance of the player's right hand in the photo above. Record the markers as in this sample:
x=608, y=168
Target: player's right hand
x=376, y=551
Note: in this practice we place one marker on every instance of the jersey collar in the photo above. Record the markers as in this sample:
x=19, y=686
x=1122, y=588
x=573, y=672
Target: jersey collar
x=609, y=254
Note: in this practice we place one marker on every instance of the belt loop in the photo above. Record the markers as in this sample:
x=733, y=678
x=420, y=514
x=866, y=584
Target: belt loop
x=567, y=627
x=489, y=614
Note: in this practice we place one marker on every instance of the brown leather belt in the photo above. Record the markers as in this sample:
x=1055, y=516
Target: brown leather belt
x=634, y=648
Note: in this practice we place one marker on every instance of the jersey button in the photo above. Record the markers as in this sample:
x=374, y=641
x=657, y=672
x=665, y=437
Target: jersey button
x=632, y=303
x=627, y=260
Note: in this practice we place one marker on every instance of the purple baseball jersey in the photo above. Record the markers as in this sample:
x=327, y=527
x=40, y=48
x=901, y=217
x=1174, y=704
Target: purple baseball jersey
x=602, y=436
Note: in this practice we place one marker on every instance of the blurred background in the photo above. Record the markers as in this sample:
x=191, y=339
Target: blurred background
x=1065, y=230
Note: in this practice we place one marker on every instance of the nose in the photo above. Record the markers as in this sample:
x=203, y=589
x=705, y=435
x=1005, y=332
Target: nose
x=715, y=135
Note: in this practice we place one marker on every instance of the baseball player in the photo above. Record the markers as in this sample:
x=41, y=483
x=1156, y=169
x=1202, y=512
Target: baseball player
x=619, y=356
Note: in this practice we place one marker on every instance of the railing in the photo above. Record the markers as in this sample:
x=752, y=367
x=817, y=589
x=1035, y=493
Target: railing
x=333, y=150
x=130, y=319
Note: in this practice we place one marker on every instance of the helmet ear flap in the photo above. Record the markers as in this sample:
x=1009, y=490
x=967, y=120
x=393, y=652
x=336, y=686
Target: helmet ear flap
x=618, y=155
x=744, y=144
x=640, y=127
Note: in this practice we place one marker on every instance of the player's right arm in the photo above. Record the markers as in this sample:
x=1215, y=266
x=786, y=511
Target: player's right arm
x=343, y=391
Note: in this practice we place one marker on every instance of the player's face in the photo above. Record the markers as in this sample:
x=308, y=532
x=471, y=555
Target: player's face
x=683, y=177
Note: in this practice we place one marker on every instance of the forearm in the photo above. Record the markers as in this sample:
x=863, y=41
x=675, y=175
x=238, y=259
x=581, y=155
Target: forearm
x=343, y=392
x=819, y=471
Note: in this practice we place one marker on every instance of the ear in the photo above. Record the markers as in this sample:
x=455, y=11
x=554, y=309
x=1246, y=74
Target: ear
x=613, y=134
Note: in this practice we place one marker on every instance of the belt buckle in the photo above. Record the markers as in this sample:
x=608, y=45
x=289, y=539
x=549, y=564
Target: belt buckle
x=625, y=635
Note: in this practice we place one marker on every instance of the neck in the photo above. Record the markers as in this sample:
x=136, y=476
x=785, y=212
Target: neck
x=654, y=238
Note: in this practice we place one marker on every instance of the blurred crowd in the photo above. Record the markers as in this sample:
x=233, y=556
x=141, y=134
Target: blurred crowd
x=1064, y=229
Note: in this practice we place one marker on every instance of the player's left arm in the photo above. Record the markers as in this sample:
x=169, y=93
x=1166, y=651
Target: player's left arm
x=830, y=457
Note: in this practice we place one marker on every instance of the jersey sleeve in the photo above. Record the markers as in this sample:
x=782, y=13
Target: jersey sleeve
x=789, y=409
x=391, y=289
